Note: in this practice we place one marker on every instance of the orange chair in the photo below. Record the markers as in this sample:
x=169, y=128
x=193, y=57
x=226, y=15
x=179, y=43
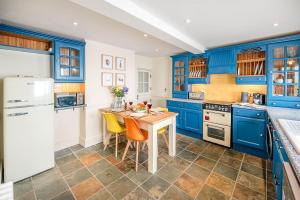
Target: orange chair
x=135, y=134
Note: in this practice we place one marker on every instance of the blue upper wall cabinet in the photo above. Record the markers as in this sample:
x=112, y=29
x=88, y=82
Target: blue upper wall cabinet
x=198, y=69
x=69, y=62
x=221, y=61
x=180, y=76
x=284, y=74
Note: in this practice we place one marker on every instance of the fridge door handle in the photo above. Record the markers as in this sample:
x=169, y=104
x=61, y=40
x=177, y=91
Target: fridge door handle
x=17, y=114
x=17, y=101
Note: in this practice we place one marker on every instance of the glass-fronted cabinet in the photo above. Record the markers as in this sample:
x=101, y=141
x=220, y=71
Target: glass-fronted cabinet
x=69, y=62
x=180, y=73
x=284, y=74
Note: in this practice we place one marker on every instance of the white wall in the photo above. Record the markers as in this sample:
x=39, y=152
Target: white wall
x=97, y=96
x=143, y=62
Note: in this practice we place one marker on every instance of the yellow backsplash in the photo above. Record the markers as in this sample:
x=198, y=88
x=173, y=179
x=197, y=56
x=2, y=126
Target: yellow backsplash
x=222, y=87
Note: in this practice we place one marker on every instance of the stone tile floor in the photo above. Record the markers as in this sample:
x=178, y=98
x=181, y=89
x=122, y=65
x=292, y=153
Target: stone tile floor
x=199, y=171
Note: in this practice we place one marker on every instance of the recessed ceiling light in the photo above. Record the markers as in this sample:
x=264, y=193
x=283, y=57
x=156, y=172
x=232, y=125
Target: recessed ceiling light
x=157, y=50
x=145, y=35
x=75, y=23
x=275, y=24
x=187, y=21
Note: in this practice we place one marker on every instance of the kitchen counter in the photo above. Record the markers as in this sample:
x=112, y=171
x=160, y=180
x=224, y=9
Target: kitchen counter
x=276, y=113
x=186, y=100
x=250, y=106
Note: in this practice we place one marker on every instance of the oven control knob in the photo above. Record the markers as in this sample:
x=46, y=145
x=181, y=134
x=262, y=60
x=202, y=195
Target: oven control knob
x=206, y=117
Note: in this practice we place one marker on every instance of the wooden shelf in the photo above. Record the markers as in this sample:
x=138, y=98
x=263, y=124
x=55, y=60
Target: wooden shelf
x=21, y=41
x=197, y=68
x=251, y=63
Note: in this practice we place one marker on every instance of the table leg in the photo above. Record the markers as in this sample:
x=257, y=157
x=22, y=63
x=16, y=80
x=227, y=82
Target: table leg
x=152, y=149
x=104, y=131
x=172, y=137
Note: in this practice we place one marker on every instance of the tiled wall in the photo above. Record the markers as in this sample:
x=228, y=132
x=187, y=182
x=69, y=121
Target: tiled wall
x=222, y=87
x=69, y=87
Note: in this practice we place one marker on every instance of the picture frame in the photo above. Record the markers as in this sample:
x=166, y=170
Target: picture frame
x=107, y=79
x=107, y=62
x=120, y=63
x=120, y=79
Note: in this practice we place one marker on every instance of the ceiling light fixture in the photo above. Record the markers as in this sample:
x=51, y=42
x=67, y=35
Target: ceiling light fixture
x=145, y=35
x=187, y=21
x=75, y=23
x=275, y=24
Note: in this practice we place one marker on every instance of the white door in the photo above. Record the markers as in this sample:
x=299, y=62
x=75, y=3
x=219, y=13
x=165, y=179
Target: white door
x=144, y=86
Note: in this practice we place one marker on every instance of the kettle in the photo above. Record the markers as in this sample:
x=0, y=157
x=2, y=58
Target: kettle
x=244, y=97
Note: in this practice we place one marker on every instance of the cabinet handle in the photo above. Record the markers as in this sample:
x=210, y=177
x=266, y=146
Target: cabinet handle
x=259, y=79
x=298, y=105
x=280, y=147
x=276, y=182
x=261, y=135
x=257, y=114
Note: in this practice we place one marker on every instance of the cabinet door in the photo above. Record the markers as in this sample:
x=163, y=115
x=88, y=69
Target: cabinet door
x=277, y=170
x=249, y=132
x=222, y=61
x=283, y=71
x=180, y=73
x=69, y=66
x=179, y=116
x=192, y=120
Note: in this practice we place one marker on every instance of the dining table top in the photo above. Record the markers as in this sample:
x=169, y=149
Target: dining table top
x=149, y=118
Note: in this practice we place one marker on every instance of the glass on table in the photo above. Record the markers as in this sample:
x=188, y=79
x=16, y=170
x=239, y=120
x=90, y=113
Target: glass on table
x=149, y=105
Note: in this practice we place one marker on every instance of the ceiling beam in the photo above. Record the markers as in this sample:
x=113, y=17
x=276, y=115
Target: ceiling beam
x=127, y=12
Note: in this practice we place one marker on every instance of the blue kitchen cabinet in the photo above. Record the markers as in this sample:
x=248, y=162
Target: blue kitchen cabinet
x=284, y=74
x=189, y=119
x=180, y=76
x=221, y=61
x=249, y=131
x=69, y=62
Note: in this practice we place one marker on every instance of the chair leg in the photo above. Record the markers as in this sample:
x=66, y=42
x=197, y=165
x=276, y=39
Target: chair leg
x=107, y=141
x=116, y=151
x=126, y=149
x=144, y=145
x=166, y=140
x=137, y=156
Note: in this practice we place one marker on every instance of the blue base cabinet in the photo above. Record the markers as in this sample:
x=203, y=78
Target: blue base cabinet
x=249, y=131
x=189, y=119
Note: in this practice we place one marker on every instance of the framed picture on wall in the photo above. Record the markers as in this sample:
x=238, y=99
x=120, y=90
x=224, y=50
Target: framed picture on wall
x=120, y=63
x=107, y=62
x=107, y=79
x=120, y=79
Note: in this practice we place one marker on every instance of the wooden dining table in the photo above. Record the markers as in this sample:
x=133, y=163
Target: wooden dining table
x=150, y=122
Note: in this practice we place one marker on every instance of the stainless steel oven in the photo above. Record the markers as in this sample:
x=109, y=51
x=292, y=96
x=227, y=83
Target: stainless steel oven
x=217, y=123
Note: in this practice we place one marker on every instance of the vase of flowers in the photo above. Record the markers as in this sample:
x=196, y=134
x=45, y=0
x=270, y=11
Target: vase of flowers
x=119, y=93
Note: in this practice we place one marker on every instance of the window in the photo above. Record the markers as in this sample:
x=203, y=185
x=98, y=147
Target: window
x=143, y=81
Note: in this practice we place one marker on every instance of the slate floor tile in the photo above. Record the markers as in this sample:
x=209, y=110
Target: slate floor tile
x=198, y=172
x=193, y=147
x=256, y=171
x=155, y=186
x=226, y=171
x=234, y=154
x=65, y=159
x=86, y=188
x=126, y=166
x=252, y=182
x=90, y=159
x=213, y=152
x=70, y=167
x=120, y=188
x=211, y=193
x=26, y=196
x=99, y=166
x=109, y=175
x=221, y=183
x=22, y=187
x=205, y=162
x=51, y=189
x=179, y=163
x=189, y=184
x=231, y=162
x=138, y=193
x=76, y=147
x=256, y=161
x=169, y=173
x=78, y=176
x=67, y=195
x=187, y=155
x=175, y=193
x=102, y=194
x=244, y=193
x=140, y=176
x=62, y=153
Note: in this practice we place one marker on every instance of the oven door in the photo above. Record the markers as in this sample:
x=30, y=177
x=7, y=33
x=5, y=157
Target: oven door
x=216, y=133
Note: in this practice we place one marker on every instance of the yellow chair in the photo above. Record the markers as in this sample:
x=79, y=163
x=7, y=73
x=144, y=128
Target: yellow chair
x=164, y=130
x=113, y=127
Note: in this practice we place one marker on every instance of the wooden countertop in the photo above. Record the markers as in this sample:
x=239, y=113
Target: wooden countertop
x=152, y=118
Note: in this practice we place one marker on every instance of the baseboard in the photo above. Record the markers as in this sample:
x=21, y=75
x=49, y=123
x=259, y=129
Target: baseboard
x=90, y=141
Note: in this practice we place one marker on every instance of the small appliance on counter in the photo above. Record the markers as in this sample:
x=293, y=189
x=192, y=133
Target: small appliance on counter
x=196, y=95
x=244, y=97
x=259, y=99
x=65, y=100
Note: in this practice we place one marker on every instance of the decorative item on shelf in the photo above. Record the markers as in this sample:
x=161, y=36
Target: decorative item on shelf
x=197, y=67
x=107, y=61
x=120, y=63
x=119, y=93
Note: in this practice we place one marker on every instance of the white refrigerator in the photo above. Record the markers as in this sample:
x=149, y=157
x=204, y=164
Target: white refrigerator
x=28, y=129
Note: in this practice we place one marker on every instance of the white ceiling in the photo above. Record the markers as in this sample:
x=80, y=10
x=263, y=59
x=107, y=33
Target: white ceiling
x=57, y=16
x=123, y=22
x=217, y=22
